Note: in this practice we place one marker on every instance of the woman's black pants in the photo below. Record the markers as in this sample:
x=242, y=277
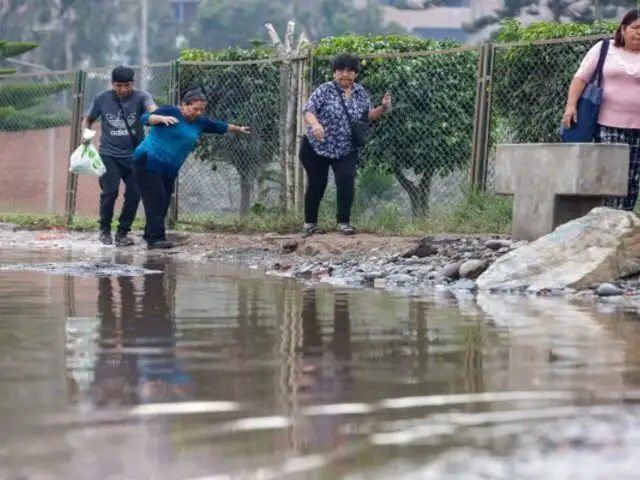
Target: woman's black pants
x=317, y=168
x=155, y=191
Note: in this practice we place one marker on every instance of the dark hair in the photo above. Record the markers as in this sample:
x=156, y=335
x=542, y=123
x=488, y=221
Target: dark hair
x=193, y=96
x=345, y=61
x=122, y=74
x=630, y=17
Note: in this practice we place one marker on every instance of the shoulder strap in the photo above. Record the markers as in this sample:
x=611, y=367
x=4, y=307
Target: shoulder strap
x=134, y=138
x=344, y=105
x=597, y=74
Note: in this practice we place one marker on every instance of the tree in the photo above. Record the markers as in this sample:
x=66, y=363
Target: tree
x=429, y=130
x=530, y=82
x=29, y=106
x=225, y=23
x=245, y=94
x=70, y=32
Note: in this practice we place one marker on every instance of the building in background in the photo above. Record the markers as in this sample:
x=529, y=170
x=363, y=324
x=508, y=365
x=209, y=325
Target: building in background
x=445, y=22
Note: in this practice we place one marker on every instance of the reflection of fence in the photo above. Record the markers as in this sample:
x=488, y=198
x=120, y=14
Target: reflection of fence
x=450, y=109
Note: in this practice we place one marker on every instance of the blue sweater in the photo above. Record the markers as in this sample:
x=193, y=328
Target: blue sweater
x=167, y=147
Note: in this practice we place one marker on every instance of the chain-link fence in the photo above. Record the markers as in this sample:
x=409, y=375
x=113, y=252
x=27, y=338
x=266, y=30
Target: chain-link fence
x=232, y=174
x=529, y=89
x=421, y=155
x=35, y=119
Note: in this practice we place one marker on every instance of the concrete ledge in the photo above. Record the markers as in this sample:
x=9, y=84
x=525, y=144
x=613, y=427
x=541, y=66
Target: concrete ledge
x=553, y=183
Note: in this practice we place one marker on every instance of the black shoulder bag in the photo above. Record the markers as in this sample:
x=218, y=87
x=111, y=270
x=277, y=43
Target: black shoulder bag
x=134, y=138
x=359, y=129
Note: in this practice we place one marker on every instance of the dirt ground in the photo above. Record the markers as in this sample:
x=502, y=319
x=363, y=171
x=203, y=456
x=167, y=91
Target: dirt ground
x=254, y=249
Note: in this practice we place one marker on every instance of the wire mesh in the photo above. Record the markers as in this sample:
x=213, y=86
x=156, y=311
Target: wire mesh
x=35, y=118
x=419, y=152
x=232, y=174
x=151, y=78
x=530, y=83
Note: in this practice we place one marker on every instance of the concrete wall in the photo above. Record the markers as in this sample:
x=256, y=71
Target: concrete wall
x=33, y=177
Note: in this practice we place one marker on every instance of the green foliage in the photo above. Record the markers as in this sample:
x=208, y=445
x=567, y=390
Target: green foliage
x=514, y=31
x=429, y=129
x=29, y=105
x=243, y=94
x=530, y=82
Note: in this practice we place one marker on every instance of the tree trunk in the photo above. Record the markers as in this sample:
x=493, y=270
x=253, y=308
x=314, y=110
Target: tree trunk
x=418, y=193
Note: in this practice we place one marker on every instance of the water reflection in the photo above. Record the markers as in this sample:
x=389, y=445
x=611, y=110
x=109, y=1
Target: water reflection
x=207, y=370
x=138, y=360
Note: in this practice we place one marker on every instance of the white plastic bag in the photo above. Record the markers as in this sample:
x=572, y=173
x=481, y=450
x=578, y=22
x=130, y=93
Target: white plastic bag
x=85, y=160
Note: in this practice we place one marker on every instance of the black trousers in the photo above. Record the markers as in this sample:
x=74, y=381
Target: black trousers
x=117, y=169
x=317, y=168
x=156, y=191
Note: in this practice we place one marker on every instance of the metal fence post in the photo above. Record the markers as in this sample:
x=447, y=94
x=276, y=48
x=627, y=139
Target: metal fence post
x=482, y=118
x=77, y=108
x=174, y=99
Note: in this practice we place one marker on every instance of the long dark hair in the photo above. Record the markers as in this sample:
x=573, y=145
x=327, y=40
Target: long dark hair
x=630, y=17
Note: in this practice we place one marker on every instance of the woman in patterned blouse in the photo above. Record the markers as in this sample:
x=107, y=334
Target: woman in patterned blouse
x=328, y=142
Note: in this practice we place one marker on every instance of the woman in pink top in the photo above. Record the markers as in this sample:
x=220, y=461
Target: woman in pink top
x=620, y=109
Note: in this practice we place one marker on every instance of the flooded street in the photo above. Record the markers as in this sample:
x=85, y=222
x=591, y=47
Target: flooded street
x=203, y=372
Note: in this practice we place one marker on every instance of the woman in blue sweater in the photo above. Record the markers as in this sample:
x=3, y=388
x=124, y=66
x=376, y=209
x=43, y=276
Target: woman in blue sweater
x=157, y=160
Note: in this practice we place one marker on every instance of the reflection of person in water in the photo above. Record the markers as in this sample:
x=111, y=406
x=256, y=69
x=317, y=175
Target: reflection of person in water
x=324, y=372
x=115, y=376
x=137, y=363
x=160, y=374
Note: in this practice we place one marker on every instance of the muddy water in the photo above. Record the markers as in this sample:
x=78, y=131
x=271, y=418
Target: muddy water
x=210, y=372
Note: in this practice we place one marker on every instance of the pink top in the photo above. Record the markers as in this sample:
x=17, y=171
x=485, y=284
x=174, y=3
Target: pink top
x=620, y=83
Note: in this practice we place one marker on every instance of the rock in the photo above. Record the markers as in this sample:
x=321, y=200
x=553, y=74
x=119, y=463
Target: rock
x=600, y=247
x=400, y=279
x=496, y=245
x=373, y=276
x=451, y=271
x=289, y=246
x=380, y=283
x=521, y=243
x=423, y=249
x=472, y=268
x=608, y=290
x=464, y=284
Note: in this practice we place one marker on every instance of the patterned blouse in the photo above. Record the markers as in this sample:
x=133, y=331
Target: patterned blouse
x=326, y=105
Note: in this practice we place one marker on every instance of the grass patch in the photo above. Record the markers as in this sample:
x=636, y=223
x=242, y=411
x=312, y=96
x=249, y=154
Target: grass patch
x=479, y=212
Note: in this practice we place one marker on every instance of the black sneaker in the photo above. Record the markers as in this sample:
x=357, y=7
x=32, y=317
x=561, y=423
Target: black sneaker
x=312, y=229
x=123, y=240
x=105, y=238
x=160, y=245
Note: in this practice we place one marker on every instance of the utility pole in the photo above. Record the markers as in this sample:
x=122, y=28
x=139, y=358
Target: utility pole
x=144, y=40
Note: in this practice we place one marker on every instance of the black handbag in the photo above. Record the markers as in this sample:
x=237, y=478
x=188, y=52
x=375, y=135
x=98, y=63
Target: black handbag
x=359, y=129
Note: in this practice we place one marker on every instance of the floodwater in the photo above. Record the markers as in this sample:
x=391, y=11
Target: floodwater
x=207, y=372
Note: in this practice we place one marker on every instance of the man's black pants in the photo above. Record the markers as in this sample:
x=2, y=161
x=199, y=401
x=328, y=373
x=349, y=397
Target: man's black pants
x=156, y=191
x=117, y=169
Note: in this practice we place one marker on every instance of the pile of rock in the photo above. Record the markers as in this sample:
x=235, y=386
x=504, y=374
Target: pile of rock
x=596, y=255
x=433, y=261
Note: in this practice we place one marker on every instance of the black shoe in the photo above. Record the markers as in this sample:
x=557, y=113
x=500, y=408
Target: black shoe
x=105, y=238
x=160, y=245
x=123, y=240
x=346, y=229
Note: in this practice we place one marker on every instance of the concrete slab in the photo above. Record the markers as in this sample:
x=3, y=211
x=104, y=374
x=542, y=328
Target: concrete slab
x=553, y=183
